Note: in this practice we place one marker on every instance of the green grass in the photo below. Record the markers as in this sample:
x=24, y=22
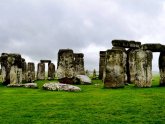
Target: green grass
x=93, y=105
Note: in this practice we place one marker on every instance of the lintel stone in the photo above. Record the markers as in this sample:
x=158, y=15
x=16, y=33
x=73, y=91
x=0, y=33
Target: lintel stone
x=154, y=47
x=126, y=44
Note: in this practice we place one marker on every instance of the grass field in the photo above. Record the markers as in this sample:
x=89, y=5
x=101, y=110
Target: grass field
x=93, y=105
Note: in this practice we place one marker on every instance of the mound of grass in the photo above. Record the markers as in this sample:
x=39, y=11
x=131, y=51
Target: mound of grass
x=93, y=105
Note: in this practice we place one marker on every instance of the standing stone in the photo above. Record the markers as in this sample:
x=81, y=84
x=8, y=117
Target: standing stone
x=51, y=71
x=3, y=73
x=141, y=68
x=79, y=64
x=87, y=73
x=162, y=68
x=102, y=64
x=30, y=72
x=115, y=69
x=24, y=70
x=29, y=77
x=65, y=66
x=149, y=68
x=132, y=69
x=41, y=71
x=94, y=74
x=125, y=67
x=19, y=75
x=13, y=75
x=9, y=64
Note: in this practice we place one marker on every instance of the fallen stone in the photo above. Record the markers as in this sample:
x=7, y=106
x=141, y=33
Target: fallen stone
x=67, y=80
x=31, y=85
x=27, y=85
x=15, y=85
x=83, y=79
x=60, y=87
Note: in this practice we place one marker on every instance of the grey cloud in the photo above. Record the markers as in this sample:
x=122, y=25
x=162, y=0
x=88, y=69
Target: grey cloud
x=39, y=28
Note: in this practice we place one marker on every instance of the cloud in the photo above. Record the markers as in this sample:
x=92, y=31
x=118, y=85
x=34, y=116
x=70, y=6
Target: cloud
x=39, y=28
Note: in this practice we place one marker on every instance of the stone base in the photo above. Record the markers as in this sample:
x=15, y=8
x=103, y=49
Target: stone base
x=67, y=80
x=110, y=84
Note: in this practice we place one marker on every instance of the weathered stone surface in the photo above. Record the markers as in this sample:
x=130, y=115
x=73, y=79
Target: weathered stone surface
x=131, y=66
x=13, y=75
x=141, y=68
x=24, y=70
x=118, y=48
x=60, y=87
x=102, y=64
x=126, y=44
x=41, y=71
x=83, y=79
x=65, y=66
x=8, y=61
x=162, y=68
x=31, y=71
x=27, y=85
x=94, y=74
x=115, y=69
x=51, y=71
x=19, y=75
x=30, y=85
x=15, y=85
x=125, y=68
x=79, y=63
x=87, y=73
x=45, y=61
x=29, y=76
x=3, y=73
x=154, y=47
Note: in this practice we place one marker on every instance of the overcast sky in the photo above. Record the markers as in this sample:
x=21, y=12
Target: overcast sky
x=39, y=28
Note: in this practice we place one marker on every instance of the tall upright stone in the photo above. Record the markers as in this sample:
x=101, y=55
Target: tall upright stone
x=24, y=70
x=51, y=71
x=115, y=68
x=79, y=64
x=41, y=71
x=13, y=75
x=102, y=63
x=11, y=65
x=131, y=64
x=162, y=68
x=141, y=67
x=30, y=77
x=126, y=58
x=65, y=66
x=19, y=75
